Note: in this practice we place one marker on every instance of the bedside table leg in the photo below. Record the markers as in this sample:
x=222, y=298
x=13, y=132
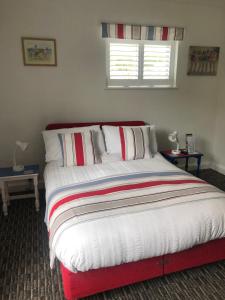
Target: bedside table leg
x=198, y=166
x=4, y=199
x=37, y=204
x=186, y=164
x=7, y=194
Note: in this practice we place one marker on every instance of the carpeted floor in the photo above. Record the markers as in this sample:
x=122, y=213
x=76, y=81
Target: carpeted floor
x=25, y=272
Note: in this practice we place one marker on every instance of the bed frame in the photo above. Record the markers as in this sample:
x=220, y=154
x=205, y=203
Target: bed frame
x=82, y=284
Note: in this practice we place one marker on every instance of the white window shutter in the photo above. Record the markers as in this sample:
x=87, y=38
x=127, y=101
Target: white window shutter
x=156, y=61
x=123, y=61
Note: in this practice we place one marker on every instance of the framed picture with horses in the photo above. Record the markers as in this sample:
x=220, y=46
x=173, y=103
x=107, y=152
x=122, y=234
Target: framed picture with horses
x=203, y=61
x=39, y=51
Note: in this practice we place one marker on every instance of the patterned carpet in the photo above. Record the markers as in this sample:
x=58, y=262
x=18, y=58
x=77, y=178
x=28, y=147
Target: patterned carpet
x=25, y=272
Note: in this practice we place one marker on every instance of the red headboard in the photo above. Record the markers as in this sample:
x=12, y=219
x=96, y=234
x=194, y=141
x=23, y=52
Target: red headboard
x=71, y=125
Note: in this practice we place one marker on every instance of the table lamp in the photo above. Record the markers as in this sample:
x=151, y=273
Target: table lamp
x=173, y=137
x=23, y=147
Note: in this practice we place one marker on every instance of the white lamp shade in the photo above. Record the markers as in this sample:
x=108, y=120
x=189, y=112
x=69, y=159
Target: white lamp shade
x=173, y=137
x=22, y=145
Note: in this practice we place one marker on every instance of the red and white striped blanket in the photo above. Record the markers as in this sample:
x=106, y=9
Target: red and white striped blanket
x=115, y=195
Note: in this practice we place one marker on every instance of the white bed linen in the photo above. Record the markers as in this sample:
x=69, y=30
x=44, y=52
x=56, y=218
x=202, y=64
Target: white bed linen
x=131, y=237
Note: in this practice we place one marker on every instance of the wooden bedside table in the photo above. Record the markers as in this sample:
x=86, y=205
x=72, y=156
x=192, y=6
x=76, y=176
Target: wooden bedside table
x=173, y=158
x=7, y=175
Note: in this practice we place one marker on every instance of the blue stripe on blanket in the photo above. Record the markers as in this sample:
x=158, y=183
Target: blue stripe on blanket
x=111, y=179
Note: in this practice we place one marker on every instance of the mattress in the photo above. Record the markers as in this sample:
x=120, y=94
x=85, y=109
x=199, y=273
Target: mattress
x=133, y=235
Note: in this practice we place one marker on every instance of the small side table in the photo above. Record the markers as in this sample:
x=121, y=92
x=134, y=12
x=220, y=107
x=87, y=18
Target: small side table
x=7, y=175
x=173, y=158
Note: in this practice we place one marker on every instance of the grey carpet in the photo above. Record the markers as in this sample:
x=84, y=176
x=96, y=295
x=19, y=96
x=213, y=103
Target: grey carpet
x=25, y=272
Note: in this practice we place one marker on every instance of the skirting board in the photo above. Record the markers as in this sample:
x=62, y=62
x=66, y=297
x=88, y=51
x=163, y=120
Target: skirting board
x=218, y=167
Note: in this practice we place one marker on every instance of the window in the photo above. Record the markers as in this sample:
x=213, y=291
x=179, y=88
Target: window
x=141, y=64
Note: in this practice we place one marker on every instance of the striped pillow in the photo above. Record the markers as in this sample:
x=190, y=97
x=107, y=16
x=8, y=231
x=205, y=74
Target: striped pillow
x=135, y=142
x=78, y=148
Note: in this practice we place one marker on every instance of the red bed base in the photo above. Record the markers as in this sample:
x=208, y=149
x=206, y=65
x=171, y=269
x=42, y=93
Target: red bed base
x=82, y=284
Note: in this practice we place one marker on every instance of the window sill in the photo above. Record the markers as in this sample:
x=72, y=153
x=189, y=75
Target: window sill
x=156, y=87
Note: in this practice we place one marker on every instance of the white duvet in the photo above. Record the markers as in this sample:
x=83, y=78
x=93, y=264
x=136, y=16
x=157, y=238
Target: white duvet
x=131, y=237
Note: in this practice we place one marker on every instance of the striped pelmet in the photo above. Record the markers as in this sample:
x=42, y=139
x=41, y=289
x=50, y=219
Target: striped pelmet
x=142, y=32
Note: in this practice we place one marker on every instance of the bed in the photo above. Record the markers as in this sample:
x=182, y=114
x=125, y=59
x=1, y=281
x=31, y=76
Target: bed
x=135, y=237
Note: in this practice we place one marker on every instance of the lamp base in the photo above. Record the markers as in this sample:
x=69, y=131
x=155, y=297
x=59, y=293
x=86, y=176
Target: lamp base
x=18, y=168
x=175, y=152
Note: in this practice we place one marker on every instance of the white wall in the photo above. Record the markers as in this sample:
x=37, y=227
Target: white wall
x=219, y=138
x=31, y=97
x=219, y=149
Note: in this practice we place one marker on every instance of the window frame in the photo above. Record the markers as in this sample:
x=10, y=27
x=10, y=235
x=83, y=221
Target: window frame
x=140, y=82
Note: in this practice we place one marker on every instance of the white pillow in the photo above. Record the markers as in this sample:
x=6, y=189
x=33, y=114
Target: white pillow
x=112, y=138
x=52, y=145
x=109, y=158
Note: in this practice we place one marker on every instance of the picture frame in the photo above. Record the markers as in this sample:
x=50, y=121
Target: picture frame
x=203, y=61
x=39, y=51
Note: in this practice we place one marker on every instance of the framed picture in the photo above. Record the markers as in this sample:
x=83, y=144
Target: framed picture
x=39, y=52
x=203, y=60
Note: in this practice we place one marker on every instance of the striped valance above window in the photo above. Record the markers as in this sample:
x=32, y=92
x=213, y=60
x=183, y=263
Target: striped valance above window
x=142, y=32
